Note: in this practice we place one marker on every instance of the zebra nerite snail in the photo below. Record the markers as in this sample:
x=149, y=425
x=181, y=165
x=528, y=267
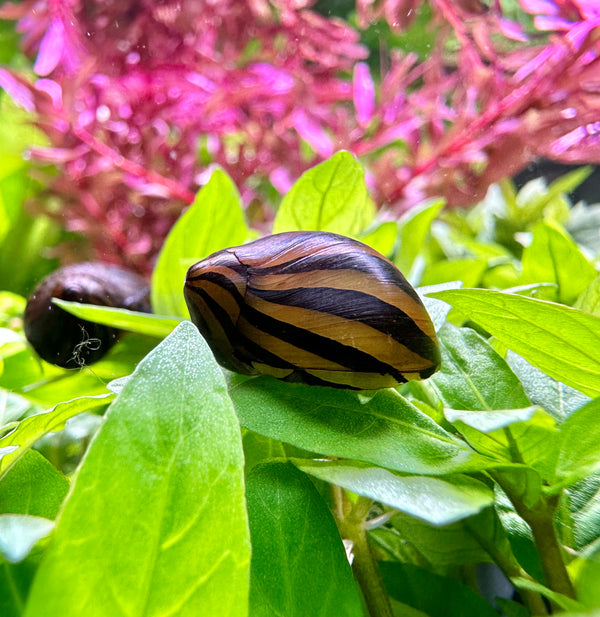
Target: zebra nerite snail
x=313, y=307
x=63, y=339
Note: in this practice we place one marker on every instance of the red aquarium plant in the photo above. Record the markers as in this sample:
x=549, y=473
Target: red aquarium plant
x=140, y=99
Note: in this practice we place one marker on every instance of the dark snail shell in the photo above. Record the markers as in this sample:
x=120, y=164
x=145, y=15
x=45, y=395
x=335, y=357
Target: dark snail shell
x=313, y=307
x=63, y=339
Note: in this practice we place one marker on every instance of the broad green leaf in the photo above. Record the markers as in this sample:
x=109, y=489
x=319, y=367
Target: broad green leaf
x=133, y=321
x=435, y=595
x=559, y=340
x=299, y=566
x=438, y=310
x=155, y=523
x=584, y=508
x=15, y=580
x=579, y=454
x=589, y=300
x=553, y=257
x=329, y=197
x=15, y=444
x=19, y=533
x=56, y=384
x=414, y=228
x=382, y=238
x=468, y=271
x=523, y=436
x=258, y=449
x=438, y=501
x=586, y=579
x=385, y=429
x=33, y=486
x=463, y=542
x=214, y=221
x=489, y=421
x=558, y=399
x=472, y=375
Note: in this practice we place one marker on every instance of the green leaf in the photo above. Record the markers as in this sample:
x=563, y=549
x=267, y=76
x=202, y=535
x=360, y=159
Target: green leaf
x=33, y=486
x=553, y=257
x=19, y=533
x=133, y=321
x=155, y=523
x=558, y=399
x=559, y=340
x=460, y=543
x=526, y=436
x=579, y=454
x=382, y=238
x=414, y=228
x=584, y=508
x=15, y=580
x=329, y=197
x=384, y=429
x=589, y=300
x=299, y=566
x=472, y=375
x=566, y=603
x=469, y=271
x=435, y=595
x=213, y=222
x=15, y=444
x=438, y=501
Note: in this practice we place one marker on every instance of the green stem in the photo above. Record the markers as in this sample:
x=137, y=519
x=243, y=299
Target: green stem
x=510, y=568
x=540, y=519
x=352, y=527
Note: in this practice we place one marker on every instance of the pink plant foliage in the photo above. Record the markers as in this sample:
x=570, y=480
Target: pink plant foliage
x=140, y=99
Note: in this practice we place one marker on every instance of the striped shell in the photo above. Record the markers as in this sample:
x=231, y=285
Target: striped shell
x=313, y=307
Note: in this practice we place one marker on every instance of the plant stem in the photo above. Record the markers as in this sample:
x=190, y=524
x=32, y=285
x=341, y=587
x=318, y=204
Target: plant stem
x=352, y=527
x=544, y=535
x=540, y=519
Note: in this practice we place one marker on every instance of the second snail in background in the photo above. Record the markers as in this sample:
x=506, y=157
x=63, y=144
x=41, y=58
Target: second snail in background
x=312, y=307
x=65, y=340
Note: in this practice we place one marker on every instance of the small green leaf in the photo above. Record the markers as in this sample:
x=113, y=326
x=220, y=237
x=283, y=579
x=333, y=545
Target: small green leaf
x=559, y=340
x=473, y=376
x=142, y=323
x=553, y=257
x=438, y=501
x=15, y=444
x=566, y=603
x=155, y=523
x=33, y=486
x=214, y=221
x=414, y=228
x=579, y=454
x=19, y=533
x=299, y=566
x=385, y=430
x=329, y=197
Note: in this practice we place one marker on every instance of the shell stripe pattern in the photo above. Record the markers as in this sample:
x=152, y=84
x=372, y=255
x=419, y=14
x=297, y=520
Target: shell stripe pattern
x=312, y=307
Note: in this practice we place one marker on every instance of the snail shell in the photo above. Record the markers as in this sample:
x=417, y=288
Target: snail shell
x=65, y=340
x=313, y=307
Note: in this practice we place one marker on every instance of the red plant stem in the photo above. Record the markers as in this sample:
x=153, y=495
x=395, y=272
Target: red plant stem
x=485, y=120
x=131, y=167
